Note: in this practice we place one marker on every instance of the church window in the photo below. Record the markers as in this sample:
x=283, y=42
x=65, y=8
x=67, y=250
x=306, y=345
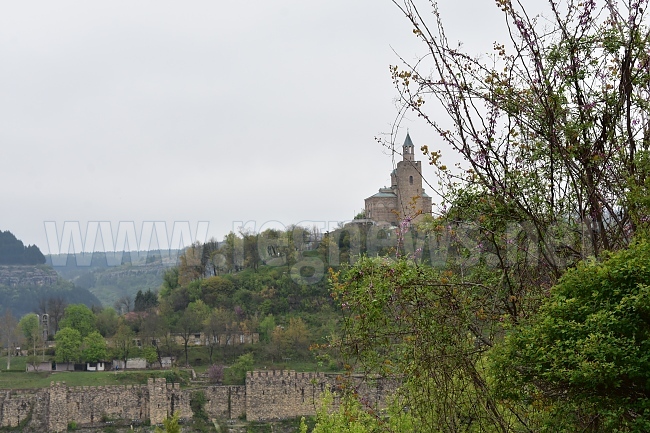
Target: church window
x=411, y=180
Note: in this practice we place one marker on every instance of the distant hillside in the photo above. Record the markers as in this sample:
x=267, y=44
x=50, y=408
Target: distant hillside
x=23, y=287
x=14, y=252
x=25, y=280
x=138, y=271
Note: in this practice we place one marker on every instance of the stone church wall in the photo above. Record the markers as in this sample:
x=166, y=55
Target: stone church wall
x=382, y=209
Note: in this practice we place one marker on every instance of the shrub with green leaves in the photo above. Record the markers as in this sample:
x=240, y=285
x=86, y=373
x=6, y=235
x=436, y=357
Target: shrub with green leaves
x=236, y=374
x=584, y=360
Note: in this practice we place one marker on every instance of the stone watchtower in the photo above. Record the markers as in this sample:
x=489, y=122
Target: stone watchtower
x=405, y=197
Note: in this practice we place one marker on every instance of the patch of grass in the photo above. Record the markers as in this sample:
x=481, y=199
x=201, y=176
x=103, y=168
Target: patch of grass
x=23, y=380
x=12, y=380
x=172, y=376
x=299, y=366
x=201, y=368
x=18, y=363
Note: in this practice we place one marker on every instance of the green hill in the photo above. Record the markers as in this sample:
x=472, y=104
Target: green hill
x=138, y=271
x=25, y=280
x=23, y=287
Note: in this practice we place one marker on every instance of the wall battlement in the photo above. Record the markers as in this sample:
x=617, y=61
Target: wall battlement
x=282, y=374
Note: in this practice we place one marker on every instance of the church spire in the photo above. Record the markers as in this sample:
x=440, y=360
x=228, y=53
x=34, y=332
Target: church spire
x=408, y=150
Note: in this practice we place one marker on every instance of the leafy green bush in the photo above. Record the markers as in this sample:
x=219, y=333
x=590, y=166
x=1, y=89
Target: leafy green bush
x=585, y=357
x=171, y=425
x=236, y=374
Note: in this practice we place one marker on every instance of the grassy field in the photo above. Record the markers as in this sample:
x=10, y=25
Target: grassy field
x=17, y=378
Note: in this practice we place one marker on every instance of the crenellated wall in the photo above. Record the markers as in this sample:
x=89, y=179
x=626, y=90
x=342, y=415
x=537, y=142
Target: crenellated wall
x=282, y=394
x=267, y=395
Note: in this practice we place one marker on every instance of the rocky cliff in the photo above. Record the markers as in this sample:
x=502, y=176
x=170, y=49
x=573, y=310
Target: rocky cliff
x=22, y=276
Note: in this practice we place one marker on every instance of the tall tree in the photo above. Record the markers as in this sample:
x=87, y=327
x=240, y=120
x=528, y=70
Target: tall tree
x=56, y=309
x=145, y=300
x=191, y=266
x=214, y=326
x=187, y=325
x=267, y=326
x=93, y=348
x=124, y=304
x=31, y=330
x=9, y=334
x=251, y=244
x=155, y=332
x=79, y=317
x=233, y=251
x=170, y=281
x=208, y=251
x=123, y=342
x=293, y=340
x=107, y=322
x=68, y=345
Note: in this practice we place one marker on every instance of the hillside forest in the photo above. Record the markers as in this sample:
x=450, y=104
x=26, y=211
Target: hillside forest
x=13, y=252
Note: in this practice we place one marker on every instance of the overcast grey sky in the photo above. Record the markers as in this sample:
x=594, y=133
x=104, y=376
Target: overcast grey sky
x=201, y=110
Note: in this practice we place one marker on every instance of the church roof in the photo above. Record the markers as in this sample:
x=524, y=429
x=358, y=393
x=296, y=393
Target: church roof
x=407, y=141
x=384, y=192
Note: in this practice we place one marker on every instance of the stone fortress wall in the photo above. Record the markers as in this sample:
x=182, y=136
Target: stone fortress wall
x=267, y=395
x=282, y=394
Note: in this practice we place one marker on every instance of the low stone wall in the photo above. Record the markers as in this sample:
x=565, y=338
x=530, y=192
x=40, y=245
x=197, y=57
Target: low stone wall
x=267, y=395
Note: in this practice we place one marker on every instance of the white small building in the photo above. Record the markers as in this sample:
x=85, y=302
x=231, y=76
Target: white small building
x=96, y=366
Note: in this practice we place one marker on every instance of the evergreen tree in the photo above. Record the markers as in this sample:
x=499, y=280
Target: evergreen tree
x=13, y=252
x=145, y=300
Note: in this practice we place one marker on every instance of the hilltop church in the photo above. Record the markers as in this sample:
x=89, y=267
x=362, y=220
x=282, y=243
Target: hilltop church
x=405, y=197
